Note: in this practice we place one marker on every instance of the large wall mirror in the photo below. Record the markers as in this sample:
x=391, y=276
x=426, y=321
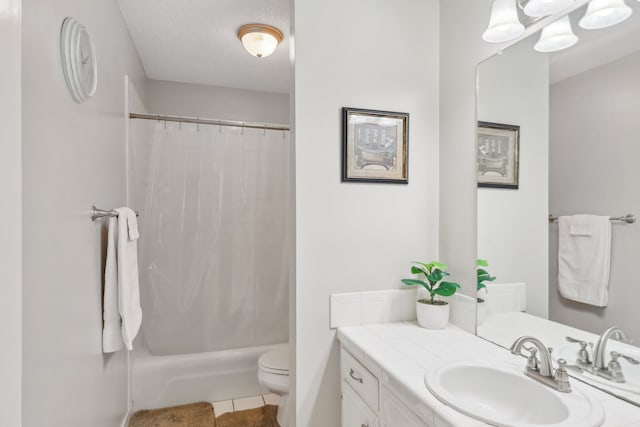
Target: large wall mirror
x=567, y=124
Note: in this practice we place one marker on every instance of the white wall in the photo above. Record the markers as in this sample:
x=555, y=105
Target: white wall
x=191, y=100
x=594, y=169
x=461, y=49
x=513, y=88
x=73, y=157
x=355, y=237
x=10, y=212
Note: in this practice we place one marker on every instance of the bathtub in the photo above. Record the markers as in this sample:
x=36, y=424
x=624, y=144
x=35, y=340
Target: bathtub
x=160, y=381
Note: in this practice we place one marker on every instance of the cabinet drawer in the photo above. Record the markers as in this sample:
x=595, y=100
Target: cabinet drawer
x=355, y=413
x=359, y=377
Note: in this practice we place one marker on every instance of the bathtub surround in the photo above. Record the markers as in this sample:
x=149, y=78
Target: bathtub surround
x=73, y=156
x=11, y=211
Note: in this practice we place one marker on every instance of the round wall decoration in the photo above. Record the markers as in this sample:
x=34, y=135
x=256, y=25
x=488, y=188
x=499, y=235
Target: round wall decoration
x=78, y=60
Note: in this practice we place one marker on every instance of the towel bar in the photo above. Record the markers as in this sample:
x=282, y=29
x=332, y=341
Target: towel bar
x=628, y=218
x=101, y=213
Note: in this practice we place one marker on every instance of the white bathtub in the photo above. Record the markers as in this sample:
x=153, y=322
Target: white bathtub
x=160, y=381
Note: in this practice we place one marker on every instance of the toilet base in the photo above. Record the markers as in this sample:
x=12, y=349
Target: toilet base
x=283, y=411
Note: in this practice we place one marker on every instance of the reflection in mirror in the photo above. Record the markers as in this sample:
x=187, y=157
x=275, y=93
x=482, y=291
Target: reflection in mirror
x=566, y=281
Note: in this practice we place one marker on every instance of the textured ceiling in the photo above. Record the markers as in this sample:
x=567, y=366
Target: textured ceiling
x=194, y=41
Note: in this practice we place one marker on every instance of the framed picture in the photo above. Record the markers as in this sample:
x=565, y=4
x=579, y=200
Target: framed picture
x=498, y=155
x=375, y=146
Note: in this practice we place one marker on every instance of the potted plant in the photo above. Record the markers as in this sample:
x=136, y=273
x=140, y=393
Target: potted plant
x=432, y=313
x=482, y=276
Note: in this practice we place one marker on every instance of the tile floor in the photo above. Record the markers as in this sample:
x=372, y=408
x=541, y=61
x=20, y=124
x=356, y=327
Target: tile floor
x=244, y=403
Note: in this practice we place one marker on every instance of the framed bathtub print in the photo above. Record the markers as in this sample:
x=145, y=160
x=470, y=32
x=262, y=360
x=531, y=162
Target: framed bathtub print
x=497, y=155
x=375, y=146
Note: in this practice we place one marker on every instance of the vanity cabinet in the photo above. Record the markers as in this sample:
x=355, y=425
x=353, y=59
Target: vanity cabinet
x=368, y=403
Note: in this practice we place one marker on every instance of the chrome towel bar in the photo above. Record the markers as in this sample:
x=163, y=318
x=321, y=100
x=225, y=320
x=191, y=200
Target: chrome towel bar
x=101, y=213
x=628, y=218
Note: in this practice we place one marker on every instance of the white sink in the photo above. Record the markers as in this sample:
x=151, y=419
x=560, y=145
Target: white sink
x=502, y=395
x=569, y=352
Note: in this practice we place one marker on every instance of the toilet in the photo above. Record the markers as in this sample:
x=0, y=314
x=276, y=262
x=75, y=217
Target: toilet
x=273, y=374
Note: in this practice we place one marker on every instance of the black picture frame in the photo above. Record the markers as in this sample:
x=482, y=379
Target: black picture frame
x=375, y=146
x=498, y=155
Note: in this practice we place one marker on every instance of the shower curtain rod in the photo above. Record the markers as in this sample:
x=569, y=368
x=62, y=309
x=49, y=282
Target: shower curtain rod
x=197, y=121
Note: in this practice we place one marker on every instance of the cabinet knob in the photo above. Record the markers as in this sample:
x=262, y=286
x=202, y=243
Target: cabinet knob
x=352, y=374
x=364, y=425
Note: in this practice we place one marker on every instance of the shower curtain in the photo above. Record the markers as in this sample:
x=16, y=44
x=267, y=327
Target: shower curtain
x=214, y=208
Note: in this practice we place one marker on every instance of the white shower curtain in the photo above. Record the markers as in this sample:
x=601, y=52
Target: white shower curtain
x=214, y=255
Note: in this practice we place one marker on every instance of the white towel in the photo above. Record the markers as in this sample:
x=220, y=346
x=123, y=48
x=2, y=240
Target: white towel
x=111, y=332
x=584, y=255
x=128, y=287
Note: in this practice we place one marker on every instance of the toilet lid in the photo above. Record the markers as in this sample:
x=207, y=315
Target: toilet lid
x=276, y=360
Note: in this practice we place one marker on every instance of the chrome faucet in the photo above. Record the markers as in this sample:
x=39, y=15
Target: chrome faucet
x=612, y=371
x=599, y=349
x=542, y=369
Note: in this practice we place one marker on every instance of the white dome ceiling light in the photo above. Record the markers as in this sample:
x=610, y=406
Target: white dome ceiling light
x=540, y=8
x=503, y=23
x=260, y=40
x=604, y=13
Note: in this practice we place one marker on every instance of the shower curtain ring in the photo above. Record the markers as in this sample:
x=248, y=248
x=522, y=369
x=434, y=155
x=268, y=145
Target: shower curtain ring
x=264, y=131
x=179, y=123
x=242, y=131
x=198, y=124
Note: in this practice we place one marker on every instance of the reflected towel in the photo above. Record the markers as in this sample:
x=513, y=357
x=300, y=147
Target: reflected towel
x=584, y=255
x=111, y=333
x=128, y=285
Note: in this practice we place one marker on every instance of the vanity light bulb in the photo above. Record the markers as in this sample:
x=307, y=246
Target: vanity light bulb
x=540, y=8
x=604, y=13
x=503, y=24
x=556, y=36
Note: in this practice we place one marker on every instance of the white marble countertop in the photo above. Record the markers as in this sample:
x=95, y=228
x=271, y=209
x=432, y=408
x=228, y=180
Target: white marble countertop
x=400, y=353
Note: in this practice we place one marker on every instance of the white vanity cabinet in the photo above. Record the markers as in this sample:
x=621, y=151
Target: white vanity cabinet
x=367, y=403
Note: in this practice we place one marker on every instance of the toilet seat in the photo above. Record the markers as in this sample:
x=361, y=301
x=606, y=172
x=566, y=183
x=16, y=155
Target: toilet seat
x=275, y=361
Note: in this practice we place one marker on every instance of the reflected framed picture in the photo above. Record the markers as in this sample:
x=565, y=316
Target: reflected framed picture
x=497, y=154
x=375, y=146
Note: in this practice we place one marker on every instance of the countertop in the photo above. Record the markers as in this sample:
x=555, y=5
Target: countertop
x=400, y=353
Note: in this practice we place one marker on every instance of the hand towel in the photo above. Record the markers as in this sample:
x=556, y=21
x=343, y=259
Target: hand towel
x=584, y=255
x=128, y=286
x=111, y=332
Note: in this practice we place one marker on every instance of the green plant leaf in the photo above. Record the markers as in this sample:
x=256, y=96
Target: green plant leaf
x=482, y=263
x=418, y=270
x=439, y=265
x=481, y=286
x=416, y=282
x=435, y=276
x=446, y=289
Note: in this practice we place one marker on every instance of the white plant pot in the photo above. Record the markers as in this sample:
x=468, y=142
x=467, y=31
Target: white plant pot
x=482, y=310
x=432, y=316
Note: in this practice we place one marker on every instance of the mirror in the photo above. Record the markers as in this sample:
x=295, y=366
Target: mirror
x=567, y=125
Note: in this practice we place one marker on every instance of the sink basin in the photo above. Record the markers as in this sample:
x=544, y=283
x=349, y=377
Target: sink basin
x=502, y=395
x=569, y=352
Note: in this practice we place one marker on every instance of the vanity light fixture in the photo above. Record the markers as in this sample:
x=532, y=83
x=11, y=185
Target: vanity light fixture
x=540, y=8
x=503, y=23
x=556, y=36
x=604, y=13
x=260, y=40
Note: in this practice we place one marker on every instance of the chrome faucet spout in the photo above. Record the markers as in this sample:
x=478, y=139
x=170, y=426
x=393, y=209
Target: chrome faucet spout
x=545, y=367
x=601, y=345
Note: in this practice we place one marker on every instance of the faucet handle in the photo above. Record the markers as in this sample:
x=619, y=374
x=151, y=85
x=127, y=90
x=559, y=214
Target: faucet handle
x=583, y=353
x=561, y=377
x=615, y=355
x=532, y=361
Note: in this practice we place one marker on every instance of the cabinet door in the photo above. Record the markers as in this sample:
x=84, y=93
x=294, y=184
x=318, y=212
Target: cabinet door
x=394, y=413
x=355, y=413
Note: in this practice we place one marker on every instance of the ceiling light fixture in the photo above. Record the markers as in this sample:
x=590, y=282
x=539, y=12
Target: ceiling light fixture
x=604, y=13
x=556, y=36
x=260, y=40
